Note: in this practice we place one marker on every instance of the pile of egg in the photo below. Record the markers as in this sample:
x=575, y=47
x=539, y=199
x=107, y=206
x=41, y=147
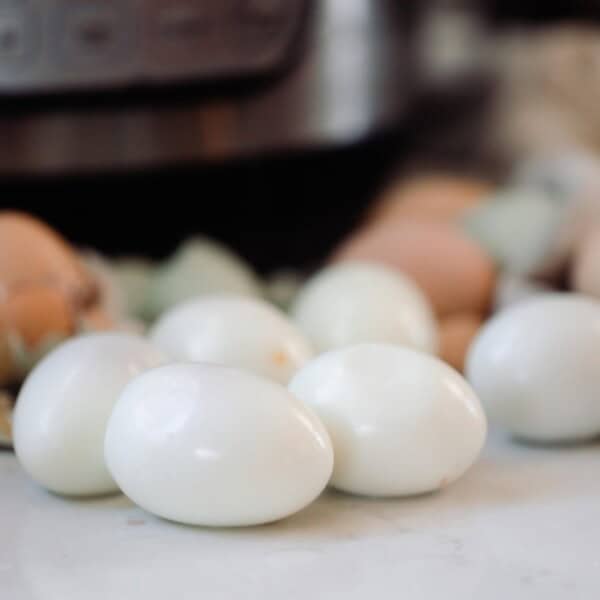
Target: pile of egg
x=219, y=399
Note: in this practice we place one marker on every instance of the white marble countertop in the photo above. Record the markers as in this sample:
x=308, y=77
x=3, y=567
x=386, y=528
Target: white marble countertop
x=524, y=523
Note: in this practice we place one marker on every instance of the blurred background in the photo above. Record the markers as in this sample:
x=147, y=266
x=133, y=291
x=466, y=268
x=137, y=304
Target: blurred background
x=273, y=125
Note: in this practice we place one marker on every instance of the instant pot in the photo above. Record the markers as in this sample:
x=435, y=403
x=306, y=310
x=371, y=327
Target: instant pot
x=105, y=85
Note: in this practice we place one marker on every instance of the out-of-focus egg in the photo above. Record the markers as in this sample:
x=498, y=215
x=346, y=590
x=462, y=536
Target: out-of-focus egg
x=133, y=276
x=30, y=315
x=234, y=331
x=456, y=333
x=356, y=302
x=536, y=368
x=453, y=271
x=199, y=267
x=32, y=252
x=438, y=197
x=585, y=268
x=401, y=422
x=520, y=228
x=511, y=288
x=282, y=287
x=573, y=180
x=63, y=407
x=209, y=445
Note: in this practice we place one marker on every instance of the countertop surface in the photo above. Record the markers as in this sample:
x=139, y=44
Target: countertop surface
x=523, y=523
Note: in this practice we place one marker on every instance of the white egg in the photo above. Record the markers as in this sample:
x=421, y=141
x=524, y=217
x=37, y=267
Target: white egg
x=355, y=302
x=200, y=266
x=536, y=368
x=236, y=332
x=401, y=422
x=63, y=407
x=209, y=445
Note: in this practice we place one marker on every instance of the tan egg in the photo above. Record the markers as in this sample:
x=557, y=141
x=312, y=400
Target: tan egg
x=456, y=333
x=585, y=268
x=452, y=270
x=429, y=197
x=29, y=316
x=30, y=251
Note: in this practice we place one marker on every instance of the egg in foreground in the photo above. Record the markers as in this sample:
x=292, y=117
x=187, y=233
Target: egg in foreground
x=63, y=407
x=210, y=445
x=401, y=422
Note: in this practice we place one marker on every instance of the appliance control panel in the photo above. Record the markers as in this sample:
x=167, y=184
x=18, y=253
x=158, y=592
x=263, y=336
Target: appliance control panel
x=64, y=45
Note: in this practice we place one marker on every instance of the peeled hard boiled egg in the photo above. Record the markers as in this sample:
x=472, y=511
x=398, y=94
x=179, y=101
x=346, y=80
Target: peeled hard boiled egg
x=401, y=422
x=64, y=405
x=209, y=445
x=357, y=302
x=233, y=331
x=536, y=368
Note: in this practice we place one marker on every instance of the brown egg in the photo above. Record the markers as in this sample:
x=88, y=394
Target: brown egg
x=30, y=251
x=439, y=197
x=30, y=314
x=454, y=272
x=456, y=333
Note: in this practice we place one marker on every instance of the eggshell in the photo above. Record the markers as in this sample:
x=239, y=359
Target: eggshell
x=199, y=267
x=536, y=368
x=452, y=270
x=436, y=197
x=401, y=422
x=30, y=315
x=572, y=179
x=520, y=228
x=456, y=333
x=355, y=302
x=585, y=269
x=64, y=405
x=30, y=251
x=209, y=445
x=234, y=331
x=133, y=275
